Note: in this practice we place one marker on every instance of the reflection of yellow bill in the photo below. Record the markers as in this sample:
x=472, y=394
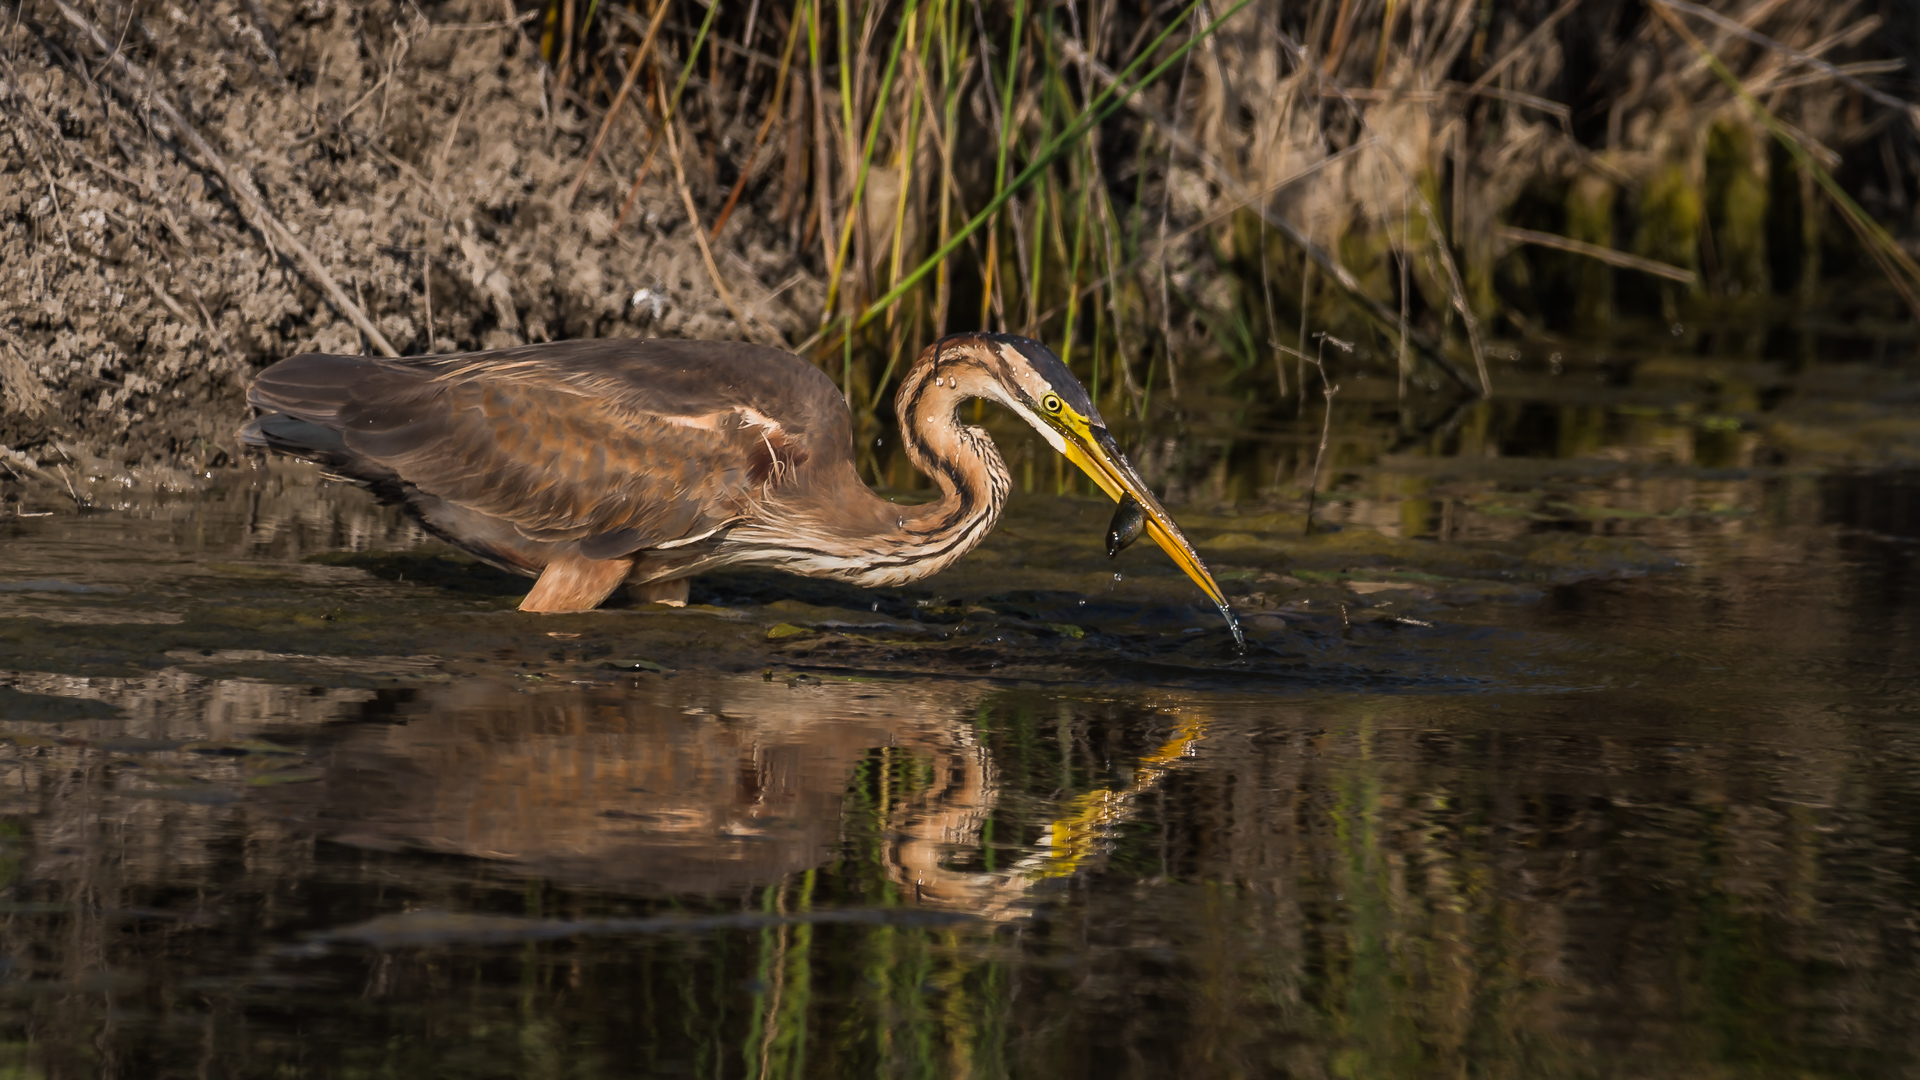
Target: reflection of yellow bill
x=1074, y=838
x=1096, y=454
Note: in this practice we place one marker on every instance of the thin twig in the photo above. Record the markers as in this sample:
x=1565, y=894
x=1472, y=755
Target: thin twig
x=498, y=24
x=167, y=299
x=1594, y=251
x=1907, y=108
x=426, y=289
x=1326, y=425
x=700, y=235
x=1326, y=420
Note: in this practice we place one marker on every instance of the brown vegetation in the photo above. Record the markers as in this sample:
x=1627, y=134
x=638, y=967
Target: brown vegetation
x=1174, y=197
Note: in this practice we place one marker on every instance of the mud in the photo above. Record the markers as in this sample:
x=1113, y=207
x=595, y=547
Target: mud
x=415, y=149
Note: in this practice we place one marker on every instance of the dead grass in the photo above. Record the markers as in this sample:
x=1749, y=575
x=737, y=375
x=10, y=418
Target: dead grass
x=1168, y=196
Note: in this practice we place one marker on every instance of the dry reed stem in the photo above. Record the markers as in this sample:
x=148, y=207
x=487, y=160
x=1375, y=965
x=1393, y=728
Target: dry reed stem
x=1491, y=99
x=854, y=202
x=766, y=125
x=1900, y=269
x=823, y=170
x=1457, y=293
x=1321, y=258
x=1525, y=46
x=1594, y=251
x=1401, y=366
x=1324, y=260
x=639, y=64
x=1894, y=262
x=907, y=151
x=668, y=110
x=1099, y=109
x=1226, y=210
x=1906, y=108
x=700, y=235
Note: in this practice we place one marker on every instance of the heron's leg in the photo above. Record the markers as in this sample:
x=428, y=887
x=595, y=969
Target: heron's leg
x=671, y=593
x=571, y=583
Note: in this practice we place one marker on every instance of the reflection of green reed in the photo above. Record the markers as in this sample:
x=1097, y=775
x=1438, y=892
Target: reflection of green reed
x=1427, y=964
x=1335, y=901
x=777, y=1040
x=907, y=1001
x=872, y=1015
x=1367, y=994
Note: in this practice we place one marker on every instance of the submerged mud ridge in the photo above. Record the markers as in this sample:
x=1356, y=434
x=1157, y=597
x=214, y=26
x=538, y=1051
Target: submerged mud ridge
x=275, y=575
x=413, y=150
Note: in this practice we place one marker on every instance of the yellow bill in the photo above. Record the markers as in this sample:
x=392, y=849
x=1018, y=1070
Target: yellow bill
x=1097, y=455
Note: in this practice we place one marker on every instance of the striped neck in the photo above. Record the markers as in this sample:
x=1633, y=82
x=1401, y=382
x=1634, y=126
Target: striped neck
x=960, y=458
x=840, y=529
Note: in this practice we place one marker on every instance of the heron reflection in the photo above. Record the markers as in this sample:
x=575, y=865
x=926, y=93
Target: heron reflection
x=710, y=787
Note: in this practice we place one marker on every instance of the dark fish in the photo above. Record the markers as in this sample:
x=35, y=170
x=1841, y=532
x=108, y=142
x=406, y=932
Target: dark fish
x=1128, y=520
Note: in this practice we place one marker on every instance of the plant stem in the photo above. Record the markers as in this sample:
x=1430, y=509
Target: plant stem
x=1103, y=106
x=834, y=273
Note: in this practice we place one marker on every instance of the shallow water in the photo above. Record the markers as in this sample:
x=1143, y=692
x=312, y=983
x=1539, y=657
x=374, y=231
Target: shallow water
x=1583, y=745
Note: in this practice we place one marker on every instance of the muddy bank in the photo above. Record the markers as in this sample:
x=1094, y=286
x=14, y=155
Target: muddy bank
x=407, y=155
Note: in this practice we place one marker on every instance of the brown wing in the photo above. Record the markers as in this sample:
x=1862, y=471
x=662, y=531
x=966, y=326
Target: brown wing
x=619, y=445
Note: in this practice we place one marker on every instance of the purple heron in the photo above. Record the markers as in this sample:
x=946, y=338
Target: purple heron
x=600, y=463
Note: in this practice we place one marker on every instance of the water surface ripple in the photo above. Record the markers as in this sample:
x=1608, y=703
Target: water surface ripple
x=1577, y=771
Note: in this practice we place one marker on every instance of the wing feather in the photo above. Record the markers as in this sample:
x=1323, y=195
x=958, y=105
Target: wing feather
x=620, y=445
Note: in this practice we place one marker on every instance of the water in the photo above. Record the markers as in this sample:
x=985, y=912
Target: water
x=1584, y=747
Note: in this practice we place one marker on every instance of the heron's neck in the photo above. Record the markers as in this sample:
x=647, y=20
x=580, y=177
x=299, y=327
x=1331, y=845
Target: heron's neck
x=908, y=543
x=837, y=527
x=960, y=458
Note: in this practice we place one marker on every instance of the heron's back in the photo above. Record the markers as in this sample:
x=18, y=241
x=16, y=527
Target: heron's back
x=611, y=445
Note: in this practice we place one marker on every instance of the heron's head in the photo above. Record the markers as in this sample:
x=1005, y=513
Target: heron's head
x=1028, y=378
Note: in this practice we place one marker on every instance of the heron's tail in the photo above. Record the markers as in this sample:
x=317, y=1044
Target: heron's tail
x=300, y=401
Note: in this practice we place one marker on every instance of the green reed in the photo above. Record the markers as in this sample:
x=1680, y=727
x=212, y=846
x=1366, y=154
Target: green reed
x=1165, y=195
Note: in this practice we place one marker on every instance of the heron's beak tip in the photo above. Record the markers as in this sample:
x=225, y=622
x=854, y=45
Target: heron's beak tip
x=1100, y=458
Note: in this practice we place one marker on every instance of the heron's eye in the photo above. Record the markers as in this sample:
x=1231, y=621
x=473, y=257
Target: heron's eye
x=1051, y=403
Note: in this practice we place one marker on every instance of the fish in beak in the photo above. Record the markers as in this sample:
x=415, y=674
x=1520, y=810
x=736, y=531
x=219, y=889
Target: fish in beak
x=1125, y=528
x=1100, y=458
